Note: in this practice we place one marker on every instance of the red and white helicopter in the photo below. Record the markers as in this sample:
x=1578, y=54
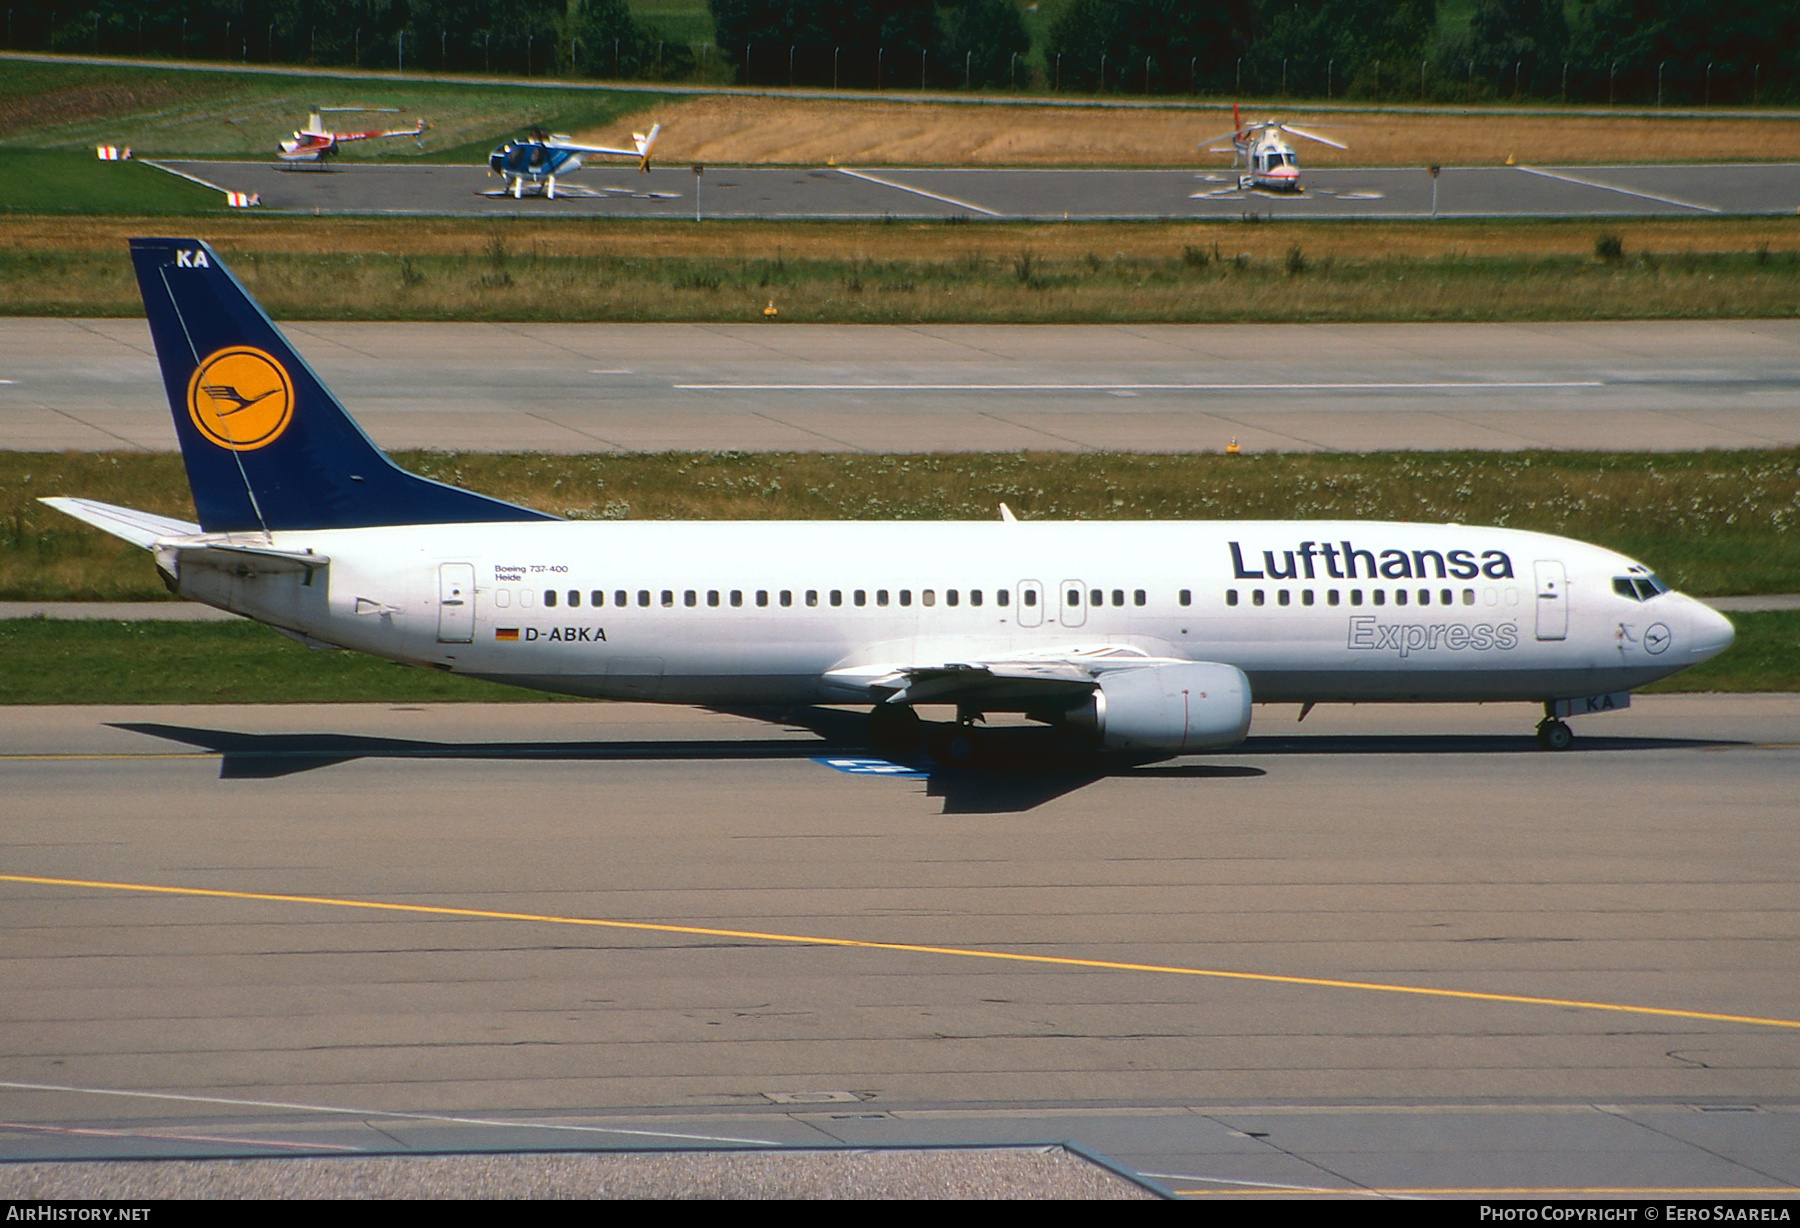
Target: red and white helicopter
x=1270, y=162
x=315, y=142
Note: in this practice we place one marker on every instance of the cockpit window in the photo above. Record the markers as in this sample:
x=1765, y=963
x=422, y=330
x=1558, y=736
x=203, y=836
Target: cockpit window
x=1641, y=587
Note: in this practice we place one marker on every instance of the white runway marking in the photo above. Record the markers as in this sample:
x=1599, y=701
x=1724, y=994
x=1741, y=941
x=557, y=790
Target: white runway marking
x=1607, y=187
x=1429, y=386
x=383, y=1113
x=901, y=187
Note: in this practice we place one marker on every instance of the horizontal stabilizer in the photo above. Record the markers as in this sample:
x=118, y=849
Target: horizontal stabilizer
x=139, y=528
x=252, y=560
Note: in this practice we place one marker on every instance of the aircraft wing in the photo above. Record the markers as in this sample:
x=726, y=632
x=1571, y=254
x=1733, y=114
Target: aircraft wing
x=139, y=528
x=1045, y=675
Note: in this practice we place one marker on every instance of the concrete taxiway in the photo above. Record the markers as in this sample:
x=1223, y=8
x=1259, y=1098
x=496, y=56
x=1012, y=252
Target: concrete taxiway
x=1209, y=190
x=1654, y=385
x=1387, y=949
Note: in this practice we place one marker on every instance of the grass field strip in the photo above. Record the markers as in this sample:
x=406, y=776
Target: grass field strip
x=394, y=1115
x=1442, y=386
x=1017, y=957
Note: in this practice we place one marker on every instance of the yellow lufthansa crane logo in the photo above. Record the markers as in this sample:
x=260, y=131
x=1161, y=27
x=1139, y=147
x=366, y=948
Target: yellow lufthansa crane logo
x=241, y=398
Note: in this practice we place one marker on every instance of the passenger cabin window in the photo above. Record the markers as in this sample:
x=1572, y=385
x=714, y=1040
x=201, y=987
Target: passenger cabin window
x=1446, y=597
x=1074, y=596
x=812, y=596
x=974, y=596
x=951, y=597
x=525, y=597
x=1331, y=596
x=1399, y=597
x=860, y=597
x=762, y=597
x=1468, y=596
x=881, y=596
x=619, y=597
x=1118, y=596
x=1306, y=596
x=1031, y=596
x=1378, y=596
x=1186, y=597
x=837, y=596
x=1230, y=596
x=737, y=598
x=787, y=597
x=690, y=598
x=643, y=596
x=1424, y=596
x=906, y=596
x=549, y=598
x=928, y=597
x=1139, y=597
x=1002, y=596
x=1097, y=597
x=712, y=597
x=1283, y=596
x=597, y=597
x=1256, y=596
x=1356, y=596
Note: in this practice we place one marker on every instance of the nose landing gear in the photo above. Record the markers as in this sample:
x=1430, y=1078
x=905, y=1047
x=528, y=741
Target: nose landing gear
x=1554, y=735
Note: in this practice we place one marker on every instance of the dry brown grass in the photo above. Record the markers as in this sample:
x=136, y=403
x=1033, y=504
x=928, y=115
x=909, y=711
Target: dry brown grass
x=797, y=131
x=904, y=240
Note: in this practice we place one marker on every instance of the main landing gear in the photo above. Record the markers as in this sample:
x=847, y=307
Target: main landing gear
x=895, y=730
x=1552, y=734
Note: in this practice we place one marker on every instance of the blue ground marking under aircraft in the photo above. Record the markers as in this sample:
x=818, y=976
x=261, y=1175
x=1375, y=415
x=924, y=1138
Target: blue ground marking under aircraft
x=872, y=767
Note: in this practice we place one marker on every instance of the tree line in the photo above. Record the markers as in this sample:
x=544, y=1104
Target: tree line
x=1628, y=52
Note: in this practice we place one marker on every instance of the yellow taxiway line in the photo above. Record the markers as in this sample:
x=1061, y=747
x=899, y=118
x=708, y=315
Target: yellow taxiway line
x=1060, y=961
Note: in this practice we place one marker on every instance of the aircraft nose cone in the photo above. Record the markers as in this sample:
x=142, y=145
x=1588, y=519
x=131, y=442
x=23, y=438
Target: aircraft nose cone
x=1709, y=632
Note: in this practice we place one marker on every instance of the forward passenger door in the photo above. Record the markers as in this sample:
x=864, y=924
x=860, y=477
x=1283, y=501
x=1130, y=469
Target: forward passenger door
x=1552, y=601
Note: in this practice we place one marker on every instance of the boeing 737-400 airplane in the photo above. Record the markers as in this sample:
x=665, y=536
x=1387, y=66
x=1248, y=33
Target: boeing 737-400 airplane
x=1144, y=639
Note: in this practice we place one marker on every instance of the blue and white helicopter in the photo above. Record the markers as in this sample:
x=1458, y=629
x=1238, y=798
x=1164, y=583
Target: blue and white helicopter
x=531, y=165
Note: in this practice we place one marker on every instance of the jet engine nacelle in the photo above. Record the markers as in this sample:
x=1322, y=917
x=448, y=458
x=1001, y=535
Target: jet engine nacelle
x=1170, y=708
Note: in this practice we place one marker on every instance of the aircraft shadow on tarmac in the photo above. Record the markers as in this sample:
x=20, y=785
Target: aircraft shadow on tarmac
x=1026, y=773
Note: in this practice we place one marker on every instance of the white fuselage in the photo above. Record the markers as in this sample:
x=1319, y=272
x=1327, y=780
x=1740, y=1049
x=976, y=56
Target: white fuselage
x=793, y=612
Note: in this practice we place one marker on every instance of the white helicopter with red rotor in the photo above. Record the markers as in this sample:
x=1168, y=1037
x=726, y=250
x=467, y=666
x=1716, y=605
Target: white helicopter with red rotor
x=1269, y=161
x=315, y=142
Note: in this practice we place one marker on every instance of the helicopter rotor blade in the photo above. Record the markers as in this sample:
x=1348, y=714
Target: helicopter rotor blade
x=1312, y=136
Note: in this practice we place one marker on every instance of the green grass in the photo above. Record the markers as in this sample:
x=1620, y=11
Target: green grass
x=508, y=277
x=43, y=662
x=165, y=113
x=1712, y=523
x=52, y=181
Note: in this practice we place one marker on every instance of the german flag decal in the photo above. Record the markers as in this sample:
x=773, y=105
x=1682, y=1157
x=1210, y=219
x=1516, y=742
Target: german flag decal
x=506, y=633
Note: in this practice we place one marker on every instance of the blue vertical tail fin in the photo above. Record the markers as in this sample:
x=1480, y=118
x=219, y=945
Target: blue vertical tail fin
x=267, y=446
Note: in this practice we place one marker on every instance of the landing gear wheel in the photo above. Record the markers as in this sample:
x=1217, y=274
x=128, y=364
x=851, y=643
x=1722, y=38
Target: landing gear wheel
x=894, y=730
x=1554, y=735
